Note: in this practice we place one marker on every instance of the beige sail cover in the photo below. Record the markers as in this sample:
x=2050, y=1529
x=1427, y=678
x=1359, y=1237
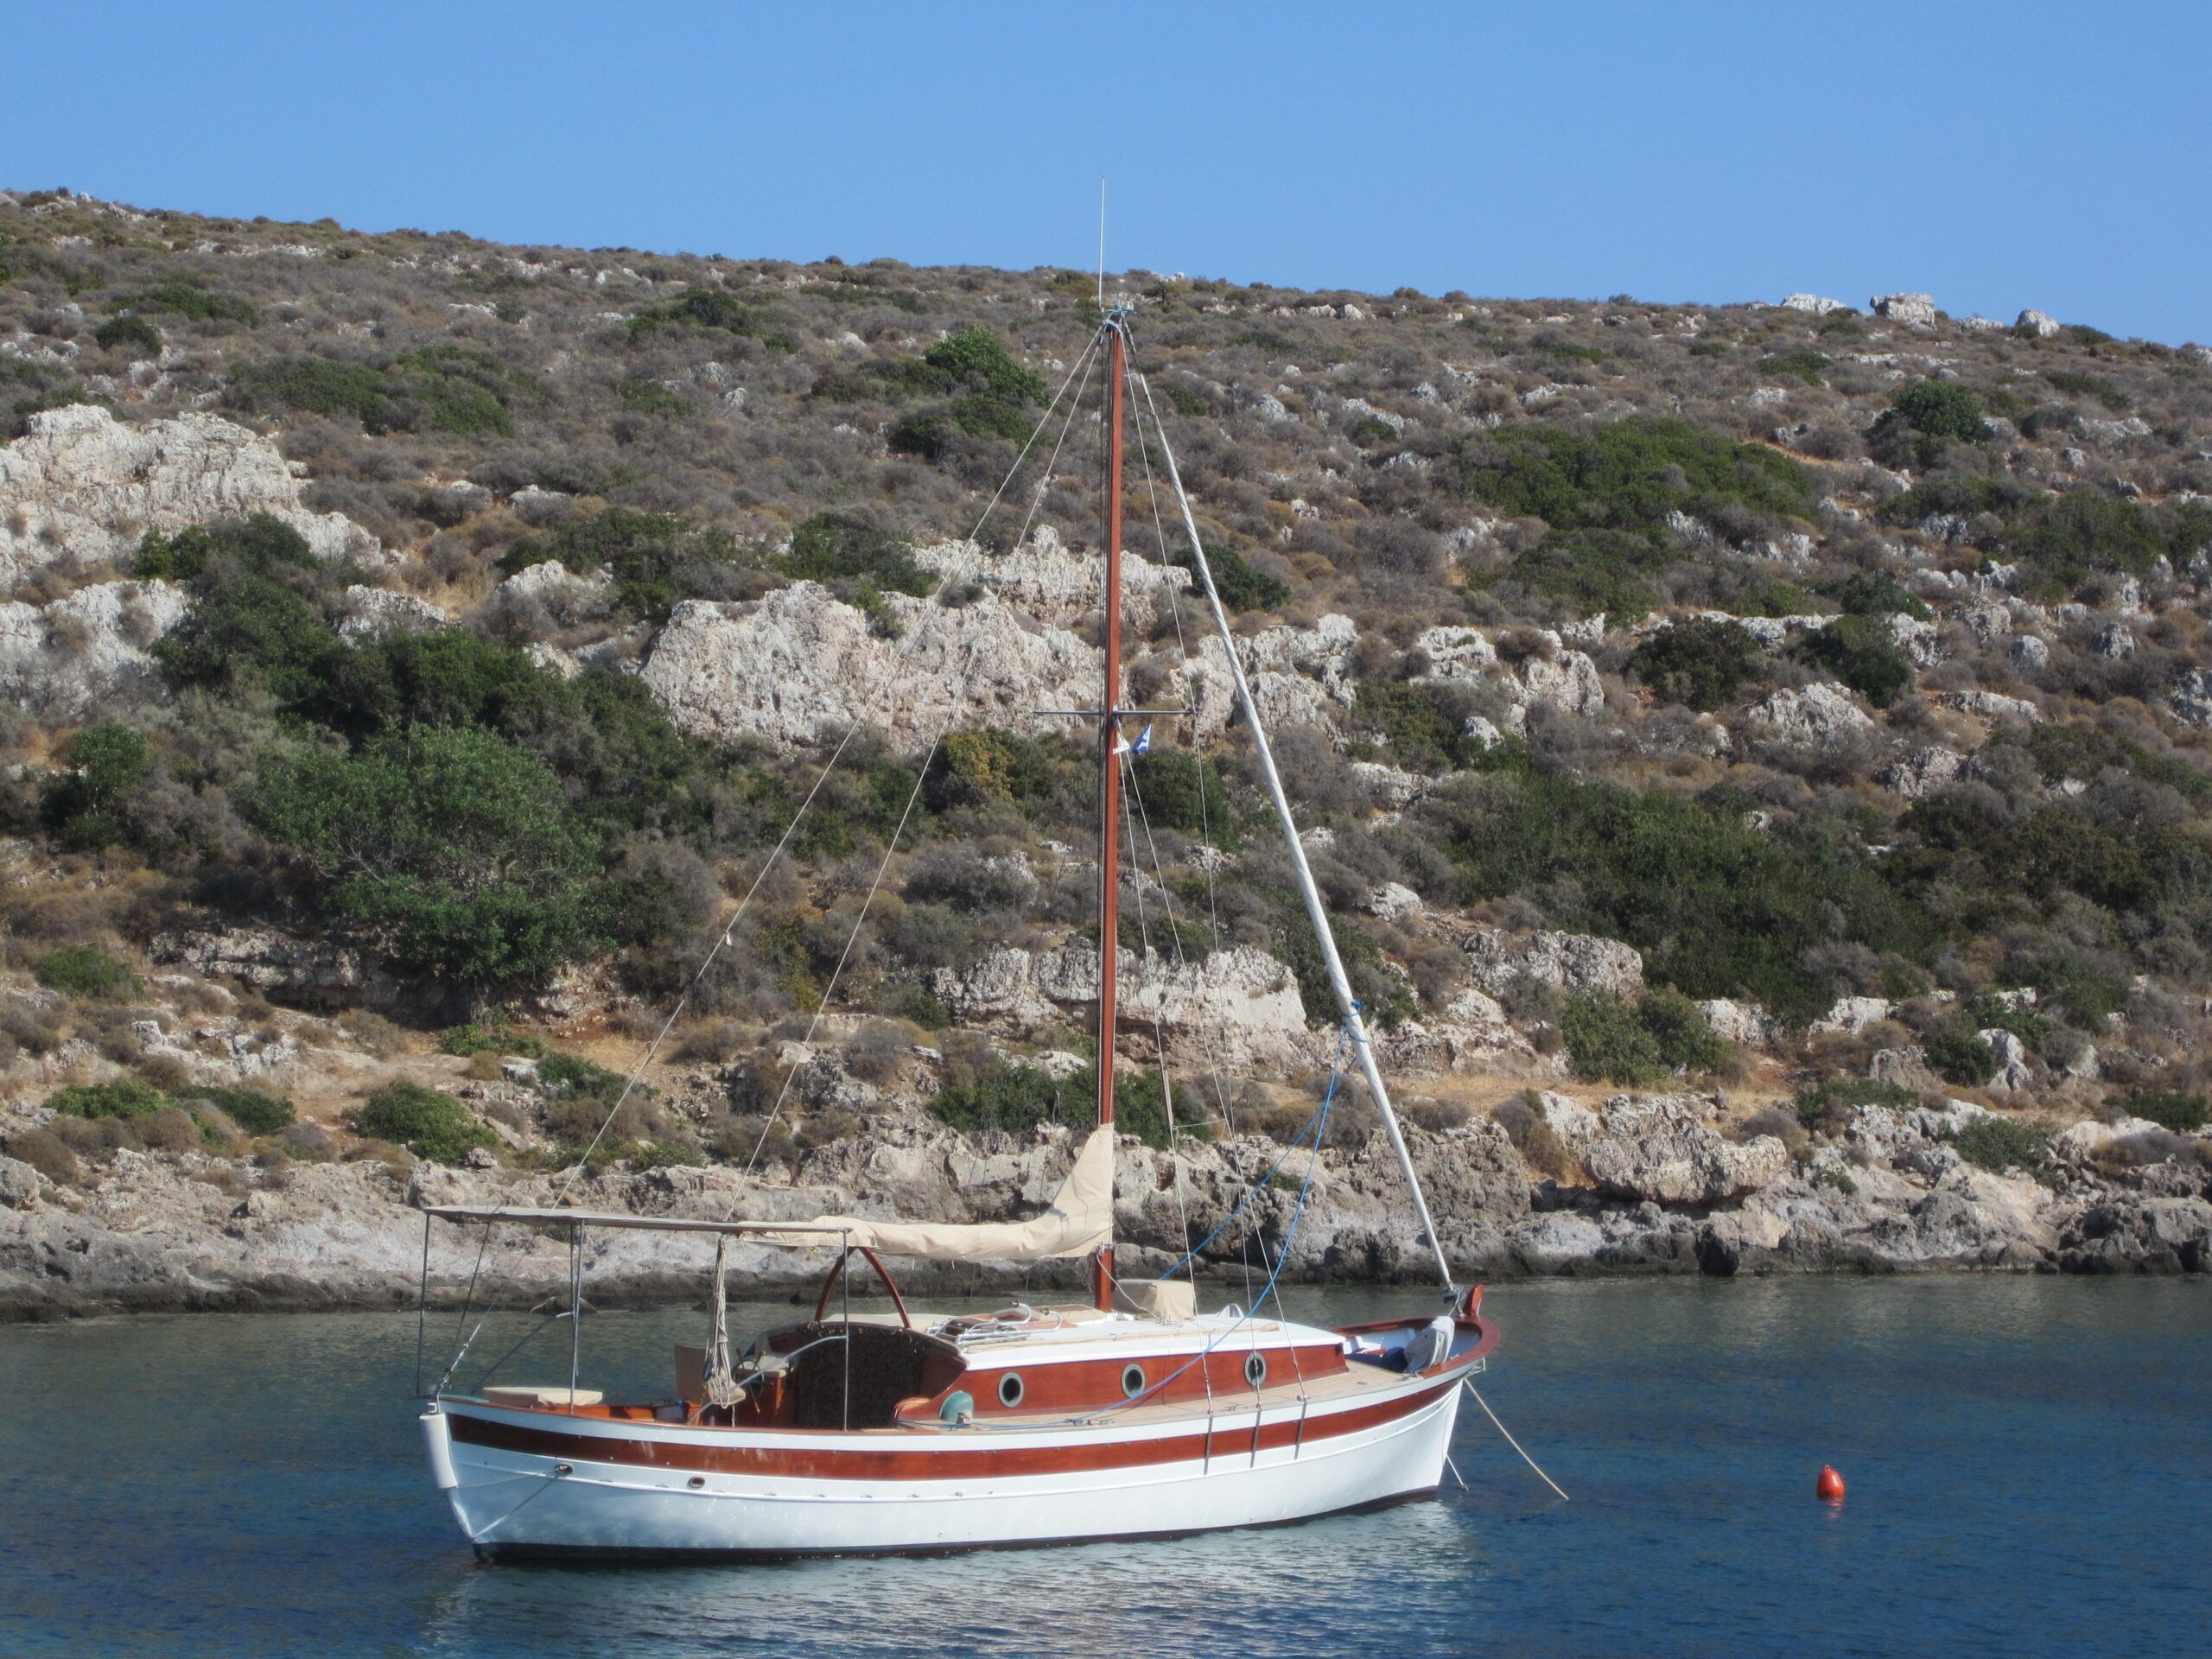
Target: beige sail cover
x=1080, y=1220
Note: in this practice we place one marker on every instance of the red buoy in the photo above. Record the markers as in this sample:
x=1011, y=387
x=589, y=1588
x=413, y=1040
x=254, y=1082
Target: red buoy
x=1830, y=1487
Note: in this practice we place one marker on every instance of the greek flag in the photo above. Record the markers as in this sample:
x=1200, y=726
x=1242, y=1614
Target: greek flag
x=1143, y=745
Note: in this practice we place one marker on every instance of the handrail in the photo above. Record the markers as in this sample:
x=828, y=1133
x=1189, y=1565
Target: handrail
x=837, y=1272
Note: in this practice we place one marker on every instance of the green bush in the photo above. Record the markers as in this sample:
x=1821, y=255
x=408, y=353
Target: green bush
x=1828, y=1105
x=126, y=1097
x=994, y=765
x=2000, y=1014
x=447, y=388
x=456, y=850
x=2085, y=752
x=186, y=298
x=1017, y=1098
x=1611, y=1040
x=2174, y=1109
x=2067, y=537
x=1387, y=1001
x=1998, y=1143
x=975, y=355
x=2083, y=994
x=658, y=558
x=254, y=1110
x=319, y=385
x=1242, y=586
x=491, y=1035
x=430, y=1123
x=1863, y=653
x=711, y=308
x=1804, y=364
x=655, y=398
x=1941, y=408
x=1181, y=791
x=833, y=547
x=1717, y=908
x=1959, y=1055
x=1625, y=476
x=260, y=545
x=1873, y=593
x=130, y=330
x=1700, y=662
x=84, y=971
x=2074, y=383
x=87, y=804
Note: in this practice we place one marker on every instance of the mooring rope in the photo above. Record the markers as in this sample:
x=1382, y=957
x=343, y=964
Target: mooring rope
x=1468, y=1383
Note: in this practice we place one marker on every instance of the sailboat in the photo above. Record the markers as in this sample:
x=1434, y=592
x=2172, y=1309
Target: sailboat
x=1131, y=1415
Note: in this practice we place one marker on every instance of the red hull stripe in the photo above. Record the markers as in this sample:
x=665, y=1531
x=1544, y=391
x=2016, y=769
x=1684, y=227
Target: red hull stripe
x=968, y=1462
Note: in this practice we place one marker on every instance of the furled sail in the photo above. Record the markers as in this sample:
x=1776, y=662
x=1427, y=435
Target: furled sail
x=1079, y=1221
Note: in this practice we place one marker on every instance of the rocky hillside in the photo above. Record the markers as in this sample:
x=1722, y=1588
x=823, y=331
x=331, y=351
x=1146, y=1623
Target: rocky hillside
x=415, y=647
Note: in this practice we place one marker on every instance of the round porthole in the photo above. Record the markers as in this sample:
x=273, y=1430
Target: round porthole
x=1010, y=1389
x=1255, y=1369
x=1132, y=1381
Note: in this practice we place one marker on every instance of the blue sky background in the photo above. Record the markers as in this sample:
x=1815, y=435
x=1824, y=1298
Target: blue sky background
x=1996, y=155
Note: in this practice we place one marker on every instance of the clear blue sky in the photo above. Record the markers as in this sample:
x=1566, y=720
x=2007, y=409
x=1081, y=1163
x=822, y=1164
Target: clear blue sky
x=1996, y=155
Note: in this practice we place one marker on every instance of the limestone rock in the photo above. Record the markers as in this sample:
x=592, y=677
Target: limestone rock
x=1558, y=676
x=371, y=613
x=2029, y=653
x=567, y=598
x=80, y=482
x=798, y=665
x=1992, y=705
x=19, y=1184
x=1911, y=308
x=1814, y=303
x=1907, y=1067
x=1574, y=962
x=273, y=961
x=1921, y=772
x=1687, y=1167
x=73, y=658
x=2192, y=698
x=2014, y=1069
x=1813, y=716
x=1392, y=901
x=1850, y=1015
x=1236, y=1007
x=1745, y=1024
x=2036, y=323
x=1055, y=584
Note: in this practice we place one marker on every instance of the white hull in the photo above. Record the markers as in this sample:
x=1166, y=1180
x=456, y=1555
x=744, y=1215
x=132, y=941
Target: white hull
x=511, y=1501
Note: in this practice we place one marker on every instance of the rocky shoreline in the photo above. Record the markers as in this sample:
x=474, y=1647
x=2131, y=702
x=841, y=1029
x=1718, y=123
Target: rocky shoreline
x=1660, y=1190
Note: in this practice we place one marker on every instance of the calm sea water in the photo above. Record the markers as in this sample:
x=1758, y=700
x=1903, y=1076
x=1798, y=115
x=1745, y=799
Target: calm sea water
x=2030, y=1464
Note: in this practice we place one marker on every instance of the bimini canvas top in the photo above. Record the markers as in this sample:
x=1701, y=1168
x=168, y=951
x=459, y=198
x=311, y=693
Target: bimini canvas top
x=1079, y=1221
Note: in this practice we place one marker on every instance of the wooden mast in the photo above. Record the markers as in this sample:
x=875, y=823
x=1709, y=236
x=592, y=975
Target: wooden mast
x=1109, y=790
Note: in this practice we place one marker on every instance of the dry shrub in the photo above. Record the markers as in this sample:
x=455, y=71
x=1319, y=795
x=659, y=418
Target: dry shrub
x=45, y=1152
x=373, y=1032
x=170, y=1129
x=1435, y=1115
x=1532, y=1137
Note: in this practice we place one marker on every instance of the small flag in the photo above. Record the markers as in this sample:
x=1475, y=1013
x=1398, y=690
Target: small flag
x=1143, y=745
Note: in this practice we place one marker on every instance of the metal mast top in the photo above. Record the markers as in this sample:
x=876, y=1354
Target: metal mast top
x=1109, y=785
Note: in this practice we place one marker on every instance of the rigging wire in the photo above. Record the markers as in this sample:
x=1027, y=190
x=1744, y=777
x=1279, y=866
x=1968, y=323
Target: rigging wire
x=953, y=708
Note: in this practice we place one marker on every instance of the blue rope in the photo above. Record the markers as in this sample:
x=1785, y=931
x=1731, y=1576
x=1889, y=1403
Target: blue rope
x=1320, y=1118
x=1319, y=1123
